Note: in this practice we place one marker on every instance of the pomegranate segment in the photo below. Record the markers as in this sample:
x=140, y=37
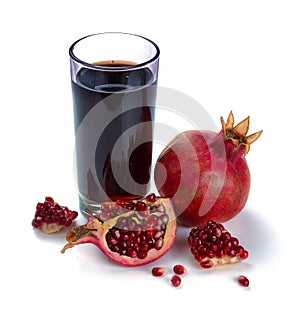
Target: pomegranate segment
x=130, y=233
x=211, y=245
x=50, y=217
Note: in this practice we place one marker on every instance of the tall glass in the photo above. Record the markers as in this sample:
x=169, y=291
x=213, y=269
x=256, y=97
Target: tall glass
x=114, y=79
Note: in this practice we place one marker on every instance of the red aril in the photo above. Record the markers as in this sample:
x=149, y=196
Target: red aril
x=158, y=271
x=243, y=281
x=179, y=269
x=176, y=281
x=130, y=233
x=205, y=173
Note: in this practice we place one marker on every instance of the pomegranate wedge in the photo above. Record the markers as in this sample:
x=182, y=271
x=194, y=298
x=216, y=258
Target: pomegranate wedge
x=212, y=245
x=130, y=233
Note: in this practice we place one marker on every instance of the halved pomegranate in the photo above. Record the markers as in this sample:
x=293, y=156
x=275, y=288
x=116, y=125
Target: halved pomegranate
x=130, y=233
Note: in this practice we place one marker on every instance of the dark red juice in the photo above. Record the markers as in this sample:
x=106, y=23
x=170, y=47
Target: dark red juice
x=113, y=114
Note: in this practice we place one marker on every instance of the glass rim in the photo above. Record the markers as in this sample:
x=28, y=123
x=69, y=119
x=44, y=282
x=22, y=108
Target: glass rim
x=120, y=68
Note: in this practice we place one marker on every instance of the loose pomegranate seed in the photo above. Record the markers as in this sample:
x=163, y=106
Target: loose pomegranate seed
x=243, y=281
x=176, y=281
x=158, y=271
x=179, y=269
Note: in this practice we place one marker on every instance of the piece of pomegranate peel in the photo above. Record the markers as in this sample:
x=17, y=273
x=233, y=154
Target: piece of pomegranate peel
x=211, y=245
x=130, y=233
x=50, y=217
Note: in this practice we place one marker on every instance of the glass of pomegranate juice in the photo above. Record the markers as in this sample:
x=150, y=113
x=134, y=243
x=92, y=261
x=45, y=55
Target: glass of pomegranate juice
x=114, y=79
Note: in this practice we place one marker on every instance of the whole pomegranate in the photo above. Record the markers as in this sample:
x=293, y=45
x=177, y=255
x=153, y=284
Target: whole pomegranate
x=130, y=233
x=205, y=173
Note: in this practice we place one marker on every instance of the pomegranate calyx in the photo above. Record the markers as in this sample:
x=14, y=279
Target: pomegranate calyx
x=238, y=134
x=83, y=233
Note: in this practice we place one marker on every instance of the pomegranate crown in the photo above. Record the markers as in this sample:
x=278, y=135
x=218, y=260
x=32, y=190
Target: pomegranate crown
x=238, y=134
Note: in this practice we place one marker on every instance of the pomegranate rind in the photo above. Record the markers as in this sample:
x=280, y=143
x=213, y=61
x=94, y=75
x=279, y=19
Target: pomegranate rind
x=94, y=231
x=196, y=193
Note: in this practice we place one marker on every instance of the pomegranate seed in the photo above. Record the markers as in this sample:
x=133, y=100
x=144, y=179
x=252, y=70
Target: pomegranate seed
x=244, y=254
x=217, y=232
x=40, y=206
x=159, y=244
x=158, y=271
x=179, y=269
x=220, y=253
x=37, y=222
x=200, y=258
x=151, y=198
x=120, y=203
x=234, y=241
x=206, y=264
x=131, y=253
x=231, y=253
x=202, y=235
x=141, y=206
x=226, y=236
x=49, y=199
x=243, y=281
x=176, y=281
x=239, y=250
x=211, y=254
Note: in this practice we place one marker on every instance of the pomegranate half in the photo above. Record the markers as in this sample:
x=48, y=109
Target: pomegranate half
x=130, y=233
x=205, y=173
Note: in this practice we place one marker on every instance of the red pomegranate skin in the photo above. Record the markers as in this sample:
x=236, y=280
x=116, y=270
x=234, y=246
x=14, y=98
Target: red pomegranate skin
x=206, y=176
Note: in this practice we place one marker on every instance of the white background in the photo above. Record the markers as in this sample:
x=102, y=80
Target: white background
x=239, y=55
